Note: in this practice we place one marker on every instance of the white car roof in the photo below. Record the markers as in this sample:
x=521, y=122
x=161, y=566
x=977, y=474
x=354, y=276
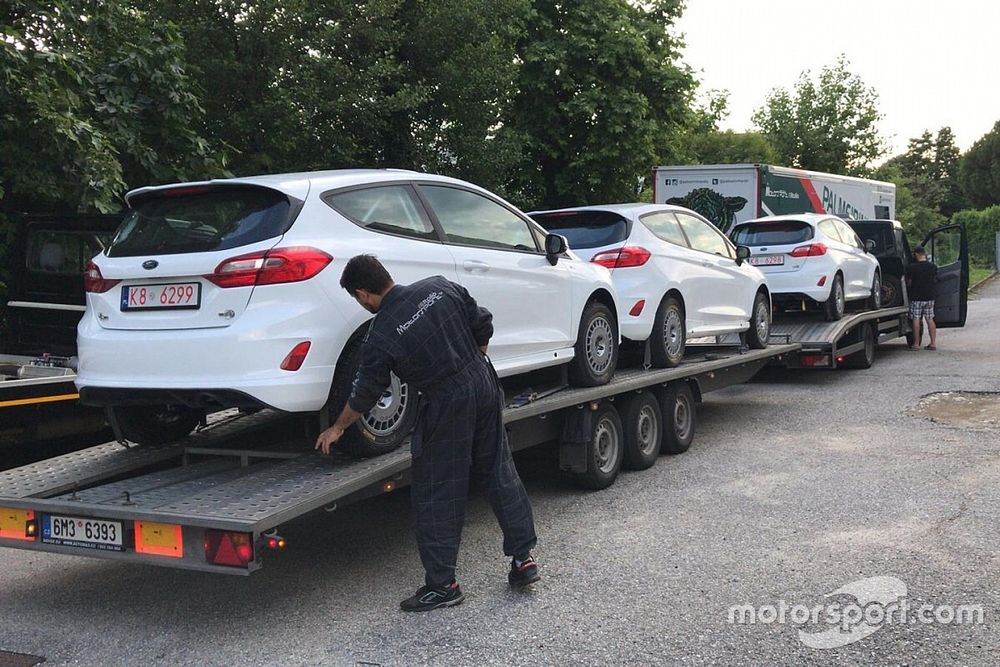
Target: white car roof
x=633, y=209
x=808, y=218
x=299, y=184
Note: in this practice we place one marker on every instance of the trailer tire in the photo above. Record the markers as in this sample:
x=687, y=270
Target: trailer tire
x=596, y=350
x=669, y=336
x=383, y=429
x=892, y=292
x=833, y=307
x=760, y=322
x=874, y=301
x=156, y=424
x=866, y=357
x=605, y=450
x=643, y=423
x=679, y=418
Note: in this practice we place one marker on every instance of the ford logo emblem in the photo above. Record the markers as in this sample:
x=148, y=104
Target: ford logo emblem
x=150, y=264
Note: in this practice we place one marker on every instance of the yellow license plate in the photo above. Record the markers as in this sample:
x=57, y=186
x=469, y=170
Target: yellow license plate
x=159, y=539
x=14, y=523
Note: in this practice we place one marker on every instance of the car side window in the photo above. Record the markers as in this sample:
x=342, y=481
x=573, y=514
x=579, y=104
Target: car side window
x=468, y=218
x=848, y=235
x=704, y=236
x=829, y=228
x=393, y=209
x=665, y=226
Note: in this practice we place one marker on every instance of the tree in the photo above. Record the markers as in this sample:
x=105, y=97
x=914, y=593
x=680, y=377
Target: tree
x=827, y=125
x=702, y=142
x=917, y=218
x=979, y=170
x=599, y=98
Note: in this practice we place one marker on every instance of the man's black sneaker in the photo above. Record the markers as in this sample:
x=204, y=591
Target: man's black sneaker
x=523, y=574
x=428, y=597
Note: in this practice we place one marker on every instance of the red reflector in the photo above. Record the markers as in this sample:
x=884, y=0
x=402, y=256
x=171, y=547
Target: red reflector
x=814, y=360
x=278, y=265
x=228, y=548
x=840, y=360
x=94, y=282
x=822, y=281
x=637, y=308
x=811, y=250
x=293, y=361
x=623, y=258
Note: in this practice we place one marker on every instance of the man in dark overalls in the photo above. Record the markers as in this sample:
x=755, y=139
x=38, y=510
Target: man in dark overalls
x=433, y=335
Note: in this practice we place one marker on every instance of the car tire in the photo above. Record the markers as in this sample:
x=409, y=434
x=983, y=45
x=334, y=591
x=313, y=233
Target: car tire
x=874, y=301
x=386, y=426
x=760, y=322
x=669, y=336
x=679, y=418
x=833, y=307
x=596, y=351
x=154, y=425
x=606, y=450
x=643, y=426
x=892, y=292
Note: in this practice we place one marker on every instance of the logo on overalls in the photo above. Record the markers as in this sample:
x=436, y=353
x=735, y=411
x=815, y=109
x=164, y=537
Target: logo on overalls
x=422, y=307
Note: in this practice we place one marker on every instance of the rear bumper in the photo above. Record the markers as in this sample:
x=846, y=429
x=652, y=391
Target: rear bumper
x=795, y=285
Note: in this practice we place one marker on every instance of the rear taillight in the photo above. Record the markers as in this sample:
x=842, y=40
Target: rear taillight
x=228, y=548
x=293, y=361
x=622, y=258
x=94, y=282
x=270, y=267
x=811, y=250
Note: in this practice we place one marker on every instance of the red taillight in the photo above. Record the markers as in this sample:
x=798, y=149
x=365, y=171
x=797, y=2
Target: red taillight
x=94, y=282
x=270, y=267
x=228, y=548
x=811, y=250
x=623, y=258
x=814, y=360
x=637, y=308
x=293, y=361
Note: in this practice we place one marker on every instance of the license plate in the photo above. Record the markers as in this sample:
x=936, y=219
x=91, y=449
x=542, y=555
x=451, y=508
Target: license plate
x=767, y=260
x=168, y=296
x=71, y=531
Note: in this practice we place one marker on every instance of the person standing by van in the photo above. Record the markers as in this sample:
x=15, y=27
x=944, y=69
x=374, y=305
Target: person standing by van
x=921, y=278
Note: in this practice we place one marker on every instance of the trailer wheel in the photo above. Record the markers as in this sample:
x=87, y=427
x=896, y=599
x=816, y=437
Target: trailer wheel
x=606, y=449
x=866, y=357
x=679, y=418
x=386, y=426
x=833, y=307
x=669, y=334
x=156, y=424
x=643, y=425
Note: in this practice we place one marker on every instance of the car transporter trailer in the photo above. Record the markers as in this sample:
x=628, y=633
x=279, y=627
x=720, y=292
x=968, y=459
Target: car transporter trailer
x=212, y=503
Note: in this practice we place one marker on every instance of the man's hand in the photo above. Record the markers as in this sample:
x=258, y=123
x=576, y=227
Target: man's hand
x=329, y=438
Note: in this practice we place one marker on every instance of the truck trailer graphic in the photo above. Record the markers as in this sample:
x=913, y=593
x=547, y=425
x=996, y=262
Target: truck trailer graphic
x=717, y=208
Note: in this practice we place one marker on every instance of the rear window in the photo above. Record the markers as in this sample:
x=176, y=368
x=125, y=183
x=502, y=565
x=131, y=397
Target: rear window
x=201, y=220
x=586, y=229
x=61, y=252
x=882, y=235
x=772, y=233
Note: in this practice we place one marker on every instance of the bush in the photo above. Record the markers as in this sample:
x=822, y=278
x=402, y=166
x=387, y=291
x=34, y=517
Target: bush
x=982, y=227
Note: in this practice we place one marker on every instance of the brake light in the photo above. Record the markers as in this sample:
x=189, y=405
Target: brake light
x=811, y=250
x=814, y=360
x=293, y=361
x=18, y=524
x=228, y=548
x=270, y=267
x=623, y=258
x=94, y=282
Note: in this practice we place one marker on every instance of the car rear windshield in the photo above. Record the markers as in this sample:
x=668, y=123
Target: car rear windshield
x=201, y=219
x=585, y=229
x=785, y=232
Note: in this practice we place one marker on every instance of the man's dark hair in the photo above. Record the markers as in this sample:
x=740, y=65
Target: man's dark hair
x=919, y=250
x=365, y=272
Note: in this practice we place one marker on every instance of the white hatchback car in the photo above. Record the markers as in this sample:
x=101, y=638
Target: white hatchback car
x=677, y=275
x=814, y=256
x=226, y=293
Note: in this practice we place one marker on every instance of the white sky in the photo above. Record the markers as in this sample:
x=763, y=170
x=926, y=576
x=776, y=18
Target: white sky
x=933, y=63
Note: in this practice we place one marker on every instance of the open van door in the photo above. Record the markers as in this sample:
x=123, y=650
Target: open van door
x=948, y=248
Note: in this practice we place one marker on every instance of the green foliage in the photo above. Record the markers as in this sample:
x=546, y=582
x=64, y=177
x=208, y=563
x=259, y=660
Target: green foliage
x=982, y=227
x=702, y=142
x=829, y=124
x=979, y=170
x=599, y=99
x=917, y=217
x=930, y=169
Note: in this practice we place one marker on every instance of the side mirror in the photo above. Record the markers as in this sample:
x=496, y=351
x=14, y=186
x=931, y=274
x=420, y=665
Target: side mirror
x=742, y=254
x=869, y=246
x=555, y=245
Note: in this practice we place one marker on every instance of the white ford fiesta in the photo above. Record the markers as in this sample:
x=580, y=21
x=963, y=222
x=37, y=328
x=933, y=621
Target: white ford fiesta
x=813, y=256
x=677, y=275
x=226, y=293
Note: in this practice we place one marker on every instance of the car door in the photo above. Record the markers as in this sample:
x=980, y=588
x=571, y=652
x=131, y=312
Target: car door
x=727, y=302
x=948, y=248
x=860, y=267
x=499, y=261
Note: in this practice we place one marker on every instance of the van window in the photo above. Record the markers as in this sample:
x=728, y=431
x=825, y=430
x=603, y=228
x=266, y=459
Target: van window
x=201, y=219
x=62, y=252
x=585, y=229
x=783, y=232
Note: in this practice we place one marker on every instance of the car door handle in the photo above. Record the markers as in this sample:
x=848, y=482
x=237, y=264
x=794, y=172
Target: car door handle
x=475, y=266
x=706, y=262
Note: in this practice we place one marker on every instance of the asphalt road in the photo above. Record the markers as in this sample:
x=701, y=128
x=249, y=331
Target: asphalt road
x=796, y=485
